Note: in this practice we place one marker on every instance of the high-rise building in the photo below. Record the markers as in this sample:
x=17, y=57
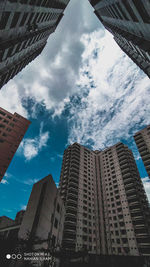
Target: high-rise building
x=129, y=22
x=25, y=26
x=44, y=216
x=107, y=210
x=12, y=129
x=142, y=139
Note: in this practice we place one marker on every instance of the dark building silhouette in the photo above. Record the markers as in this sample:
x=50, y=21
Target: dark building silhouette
x=9, y=228
x=129, y=22
x=107, y=210
x=37, y=229
x=25, y=26
x=142, y=139
x=12, y=130
x=44, y=216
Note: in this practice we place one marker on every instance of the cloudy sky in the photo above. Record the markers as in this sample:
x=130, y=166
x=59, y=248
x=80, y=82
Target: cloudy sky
x=82, y=88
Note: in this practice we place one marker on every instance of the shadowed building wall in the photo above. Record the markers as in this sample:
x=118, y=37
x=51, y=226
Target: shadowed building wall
x=12, y=130
x=129, y=22
x=44, y=216
x=25, y=26
x=142, y=139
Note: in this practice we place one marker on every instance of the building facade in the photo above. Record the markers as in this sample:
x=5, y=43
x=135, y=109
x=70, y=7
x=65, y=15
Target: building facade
x=38, y=229
x=24, y=29
x=12, y=129
x=107, y=211
x=9, y=229
x=142, y=139
x=129, y=22
x=44, y=216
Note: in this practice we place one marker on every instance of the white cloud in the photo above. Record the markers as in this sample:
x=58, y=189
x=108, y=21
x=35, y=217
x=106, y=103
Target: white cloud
x=113, y=95
x=30, y=181
x=146, y=183
x=4, y=181
x=30, y=148
x=60, y=156
x=10, y=99
x=6, y=178
x=23, y=207
x=57, y=184
x=52, y=159
x=138, y=158
x=50, y=79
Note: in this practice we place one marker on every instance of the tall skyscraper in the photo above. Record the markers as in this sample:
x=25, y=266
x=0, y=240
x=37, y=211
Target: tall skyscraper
x=142, y=139
x=12, y=129
x=25, y=26
x=107, y=210
x=129, y=22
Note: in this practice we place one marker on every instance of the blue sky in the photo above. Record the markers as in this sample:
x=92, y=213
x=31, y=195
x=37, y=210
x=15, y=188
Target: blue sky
x=81, y=88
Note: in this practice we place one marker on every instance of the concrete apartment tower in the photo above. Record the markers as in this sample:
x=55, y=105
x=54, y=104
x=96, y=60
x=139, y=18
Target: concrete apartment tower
x=44, y=216
x=142, y=139
x=12, y=130
x=107, y=210
x=25, y=26
x=129, y=22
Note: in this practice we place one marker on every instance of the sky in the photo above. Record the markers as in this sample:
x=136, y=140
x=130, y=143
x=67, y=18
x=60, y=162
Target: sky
x=82, y=88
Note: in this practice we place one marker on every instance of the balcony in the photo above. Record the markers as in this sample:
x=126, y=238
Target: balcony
x=124, y=165
x=134, y=208
x=147, y=162
x=142, y=146
x=144, y=241
x=128, y=180
x=76, y=152
x=130, y=190
x=73, y=188
x=131, y=195
x=69, y=236
x=144, y=153
x=69, y=244
x=73, y=182
x=70, y=214
x=135, y=212
x=72, y=202
x=73, y=191
x=74, y=165
x=74, y=170
x=140, y=227
x=74, y=179
x=70, y=231
x=69, y=222
x=121, y=155
x=71, y=208
x=146, y=157
x=125, y=171
x=70, y=219
x=144, y=251
x=72, y=197
x=75, y=160
x=133, y=202
x=70, y=227
x=74, y=173
x=138, y=139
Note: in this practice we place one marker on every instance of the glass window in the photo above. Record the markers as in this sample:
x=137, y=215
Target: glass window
x=15, y=19
x=142, y=11
x=130, y=10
